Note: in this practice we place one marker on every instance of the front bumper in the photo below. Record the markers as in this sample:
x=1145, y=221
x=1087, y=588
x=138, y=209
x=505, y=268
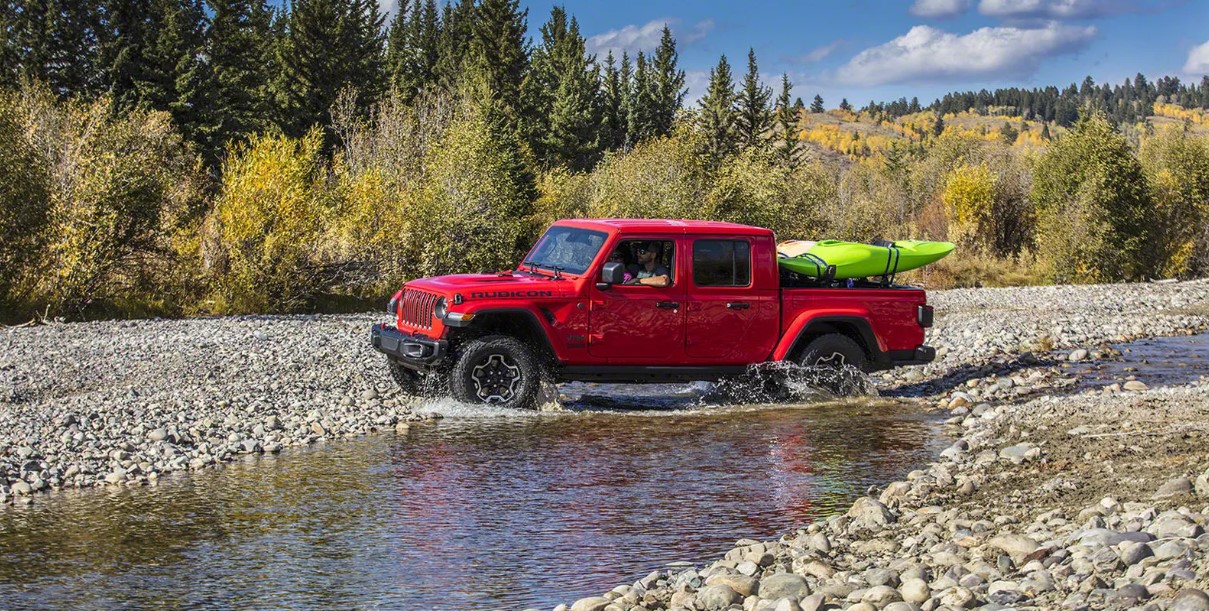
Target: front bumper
x=411, y=351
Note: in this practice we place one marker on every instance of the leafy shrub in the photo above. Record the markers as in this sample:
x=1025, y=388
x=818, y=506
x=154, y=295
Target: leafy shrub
x=754, y=189
x=24, y=204
x=470, y=212
x=1177, y=171
x=1092, y=206
x=660, y=178
x=121, y=191
x=264, y=233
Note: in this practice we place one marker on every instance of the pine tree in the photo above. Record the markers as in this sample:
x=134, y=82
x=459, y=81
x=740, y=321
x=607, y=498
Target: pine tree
x=844, y=105
x=798, y=105
x=787, y=123
x=499, y=57
x=754, y=118
x=613, y=106
x=626, y=77
x=124, y=42
x=668, y=91
x=411, y=48
x=562, y=90
x=329, y=45
x=236, y=53
x=453, y=43
x=640, y=121
x=938, y=127
x=177, y=78
x=717, y=118
x=817, y=105
x=57, y=42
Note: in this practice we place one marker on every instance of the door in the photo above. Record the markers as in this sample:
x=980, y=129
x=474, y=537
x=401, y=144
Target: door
x=640, y=324
x=730, y=320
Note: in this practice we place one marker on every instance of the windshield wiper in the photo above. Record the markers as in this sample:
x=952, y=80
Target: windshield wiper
x=533, y=267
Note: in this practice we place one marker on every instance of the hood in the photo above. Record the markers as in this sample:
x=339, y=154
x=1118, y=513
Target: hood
x=494, y=286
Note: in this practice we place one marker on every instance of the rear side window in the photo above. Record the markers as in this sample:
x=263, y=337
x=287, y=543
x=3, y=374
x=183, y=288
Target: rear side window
x=721, y=263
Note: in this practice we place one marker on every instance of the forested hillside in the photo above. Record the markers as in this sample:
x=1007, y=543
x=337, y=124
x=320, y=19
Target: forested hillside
x=178, y=157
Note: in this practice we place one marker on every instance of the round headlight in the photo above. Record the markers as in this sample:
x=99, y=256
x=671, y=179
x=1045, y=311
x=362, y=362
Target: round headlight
x=440, y=309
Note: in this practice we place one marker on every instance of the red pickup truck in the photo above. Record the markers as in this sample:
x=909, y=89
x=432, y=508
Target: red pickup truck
x=628, y=300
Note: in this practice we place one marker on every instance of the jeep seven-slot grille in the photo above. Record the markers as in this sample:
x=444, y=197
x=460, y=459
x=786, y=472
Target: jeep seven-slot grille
x=416, y=308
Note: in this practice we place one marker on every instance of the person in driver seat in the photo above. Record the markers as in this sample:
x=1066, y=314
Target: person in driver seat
x=650, y=272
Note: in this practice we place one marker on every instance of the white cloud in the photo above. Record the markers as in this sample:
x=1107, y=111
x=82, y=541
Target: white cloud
x=939, y=9
x=1198, y=60
x=633, y=38
x=1064, y=9
x=817, y=55
x=926, y=54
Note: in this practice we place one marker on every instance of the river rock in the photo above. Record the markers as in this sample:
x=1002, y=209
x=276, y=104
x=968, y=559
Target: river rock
x=591, y=603
x=915, y=591
x=871, y=514
x=1202, y=485
x=1190, y=599
x=1134, y=385
x=880, y=596
x=958, y=597
x=157, y=435
x=743, y=584
x=784, y=585
x=116, y=476
x=1020, y=453
x=1133, y=553
x=1130, y=595
x=1016, y=546
x=717, y=597
x=1077, y=355
x=21, y=487
x=1173, y=487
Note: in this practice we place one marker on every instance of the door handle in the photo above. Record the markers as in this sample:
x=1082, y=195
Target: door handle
x=667, y=305
x=738, y=305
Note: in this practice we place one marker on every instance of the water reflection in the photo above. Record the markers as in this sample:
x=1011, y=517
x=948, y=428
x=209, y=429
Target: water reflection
x=499, y=512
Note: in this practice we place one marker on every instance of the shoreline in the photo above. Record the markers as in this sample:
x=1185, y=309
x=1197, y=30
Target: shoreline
x=124, y=402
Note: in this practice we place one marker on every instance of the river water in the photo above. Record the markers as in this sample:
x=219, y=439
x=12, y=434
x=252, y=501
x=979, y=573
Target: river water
x=481, y=510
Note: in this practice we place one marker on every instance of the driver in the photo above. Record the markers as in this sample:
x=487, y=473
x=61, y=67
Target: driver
x=650, y=272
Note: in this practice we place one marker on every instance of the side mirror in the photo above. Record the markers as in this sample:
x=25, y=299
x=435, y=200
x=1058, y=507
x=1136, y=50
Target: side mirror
x=611, y=273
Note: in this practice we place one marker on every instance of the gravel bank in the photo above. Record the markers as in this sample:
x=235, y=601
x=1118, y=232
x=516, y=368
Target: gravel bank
x=124, y=402
x=1044, y=489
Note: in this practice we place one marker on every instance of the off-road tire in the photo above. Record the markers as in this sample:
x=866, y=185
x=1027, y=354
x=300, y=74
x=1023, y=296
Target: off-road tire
x=839, y=352
x=498, y=370
x=833, y=350
x=414, y=383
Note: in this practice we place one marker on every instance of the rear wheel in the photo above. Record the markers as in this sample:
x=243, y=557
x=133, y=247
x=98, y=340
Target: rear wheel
x=498, y=370
x=837, y=363
x=833, y=350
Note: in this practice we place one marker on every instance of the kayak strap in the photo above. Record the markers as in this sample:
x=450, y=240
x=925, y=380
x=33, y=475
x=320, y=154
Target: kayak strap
x=819, y=263
x=893, y=257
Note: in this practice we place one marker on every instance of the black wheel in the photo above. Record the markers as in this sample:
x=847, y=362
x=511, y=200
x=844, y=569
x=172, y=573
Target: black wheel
x=414, y=383
x=833, y=350
x=496, y=369
x=834, y=363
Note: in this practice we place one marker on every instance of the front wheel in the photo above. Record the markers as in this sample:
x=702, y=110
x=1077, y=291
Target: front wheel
x=498, y=370
x=414, y=383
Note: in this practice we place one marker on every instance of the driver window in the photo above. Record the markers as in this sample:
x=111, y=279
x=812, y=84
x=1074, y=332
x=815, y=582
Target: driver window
x=647, y=262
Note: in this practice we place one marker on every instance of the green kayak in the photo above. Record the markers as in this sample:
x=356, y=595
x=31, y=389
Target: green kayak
x=856, y=260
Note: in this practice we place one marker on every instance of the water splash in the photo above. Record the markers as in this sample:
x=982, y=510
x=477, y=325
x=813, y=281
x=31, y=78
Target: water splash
x=784, y=381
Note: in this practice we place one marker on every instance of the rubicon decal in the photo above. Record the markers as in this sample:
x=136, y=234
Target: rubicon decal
x=509, y=294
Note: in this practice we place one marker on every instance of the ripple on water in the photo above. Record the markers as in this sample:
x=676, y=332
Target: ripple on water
x=485, y=508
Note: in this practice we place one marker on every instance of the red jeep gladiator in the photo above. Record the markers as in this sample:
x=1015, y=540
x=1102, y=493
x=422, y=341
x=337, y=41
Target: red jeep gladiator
x=628, y=300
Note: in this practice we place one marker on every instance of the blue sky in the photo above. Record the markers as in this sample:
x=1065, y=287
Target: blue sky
x=881, y=50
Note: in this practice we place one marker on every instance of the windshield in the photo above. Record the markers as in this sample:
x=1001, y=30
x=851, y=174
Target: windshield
x=570, y=249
